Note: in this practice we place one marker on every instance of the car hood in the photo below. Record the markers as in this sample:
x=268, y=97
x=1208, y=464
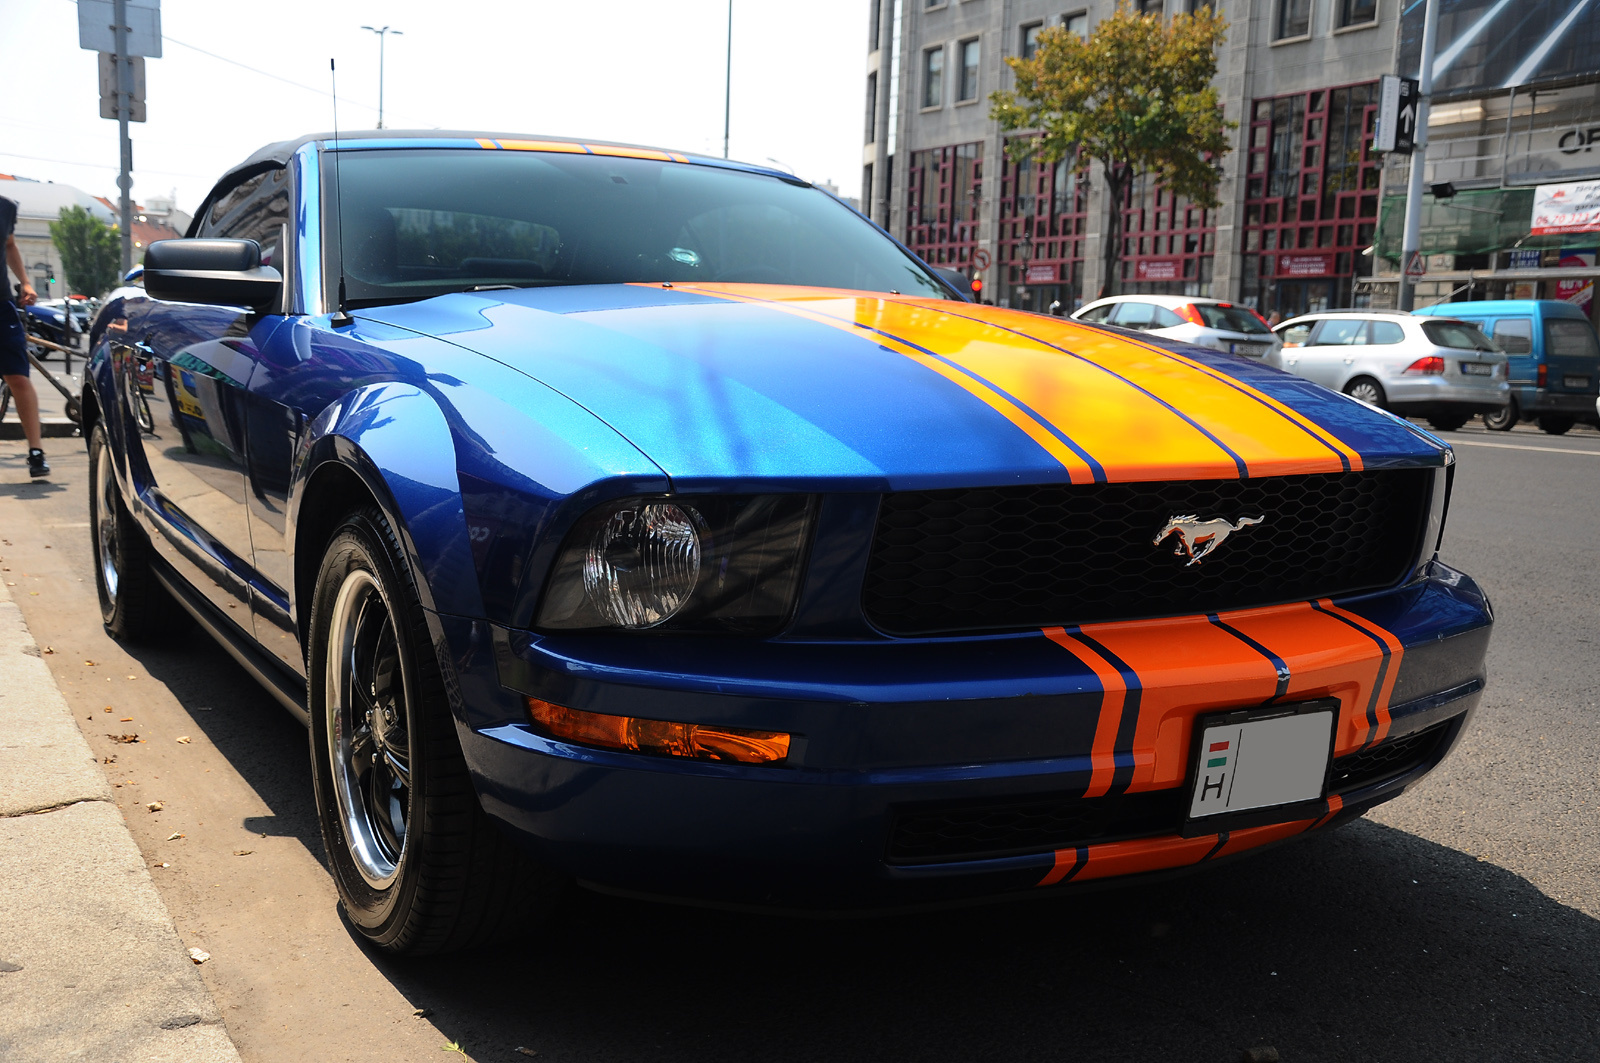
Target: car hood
x=777, y=385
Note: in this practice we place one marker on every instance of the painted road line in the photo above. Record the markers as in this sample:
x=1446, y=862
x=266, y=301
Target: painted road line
x=1519, y=446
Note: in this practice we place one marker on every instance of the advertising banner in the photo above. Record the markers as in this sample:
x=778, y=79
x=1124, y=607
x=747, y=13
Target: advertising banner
x=1578, y=292
x=1569, y=208
x=1045, y=274
x=1158, y=269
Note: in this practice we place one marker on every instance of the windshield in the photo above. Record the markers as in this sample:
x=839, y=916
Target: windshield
x=1458, y=335
x=422, y=222
x=1569, y=338
x=1230, y=318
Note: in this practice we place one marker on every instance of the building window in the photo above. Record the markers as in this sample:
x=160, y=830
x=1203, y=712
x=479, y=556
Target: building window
x=933, y=77
x=877, y=16
x=1169, y=244
x=1294, y=18
x=1039, y=241
x=943, y=192
x=1357, y=12
x=872, y=108
x=1194, y=7
x=1311, y=200
x=1030, y=39
x=1147, y=7
x=1077, y=22
x=968, y=89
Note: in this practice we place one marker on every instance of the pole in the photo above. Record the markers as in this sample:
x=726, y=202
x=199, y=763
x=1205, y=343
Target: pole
x=124, y=112
x=382, y=38
x=1412, y=241
x=727, y=86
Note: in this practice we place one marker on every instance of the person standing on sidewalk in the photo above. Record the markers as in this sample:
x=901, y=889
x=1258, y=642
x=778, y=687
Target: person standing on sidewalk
x=14, y=344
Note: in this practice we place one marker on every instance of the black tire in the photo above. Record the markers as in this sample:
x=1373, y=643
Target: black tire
x=1504, y=419
x=1449, y=422
x=1556, y=424
x=133, y=605
x=1369, y=391
x=5, y=399
x=419, y=866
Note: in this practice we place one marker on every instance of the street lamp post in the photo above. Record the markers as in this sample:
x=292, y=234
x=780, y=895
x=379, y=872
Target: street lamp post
x=382, y=32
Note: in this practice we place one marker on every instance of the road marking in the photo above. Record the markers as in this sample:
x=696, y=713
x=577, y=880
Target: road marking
x=1518, y=446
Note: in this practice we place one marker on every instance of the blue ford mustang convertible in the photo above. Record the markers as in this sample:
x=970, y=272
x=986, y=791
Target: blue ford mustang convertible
x=660, y=523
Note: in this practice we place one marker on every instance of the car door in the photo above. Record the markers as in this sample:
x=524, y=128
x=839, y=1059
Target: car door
x=1330, y=356
x=1571, y=354
x=1514, y=335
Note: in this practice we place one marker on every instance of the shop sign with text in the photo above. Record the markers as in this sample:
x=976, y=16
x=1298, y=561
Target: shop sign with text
x=1305, y=265
x=1158, y=269
x=1045, y=274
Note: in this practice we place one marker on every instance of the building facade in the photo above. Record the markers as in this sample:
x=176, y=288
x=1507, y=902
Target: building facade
x=1305, y=200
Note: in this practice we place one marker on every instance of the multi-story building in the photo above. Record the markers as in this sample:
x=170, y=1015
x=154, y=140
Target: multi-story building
x=38, y=204
x=1302, y=193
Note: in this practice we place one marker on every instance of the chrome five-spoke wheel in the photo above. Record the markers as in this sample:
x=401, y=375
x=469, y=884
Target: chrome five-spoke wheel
x=368, y=728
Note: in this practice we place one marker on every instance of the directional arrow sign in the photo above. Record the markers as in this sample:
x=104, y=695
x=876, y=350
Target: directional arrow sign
x=1405, y=125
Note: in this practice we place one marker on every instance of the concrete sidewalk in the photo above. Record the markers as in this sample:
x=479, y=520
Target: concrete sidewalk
x=91, y=967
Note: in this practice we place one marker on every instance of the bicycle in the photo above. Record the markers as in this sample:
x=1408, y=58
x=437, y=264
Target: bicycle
x=74, y=409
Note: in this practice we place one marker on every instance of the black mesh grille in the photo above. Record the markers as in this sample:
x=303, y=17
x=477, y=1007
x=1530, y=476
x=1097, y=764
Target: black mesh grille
x=1015, y=557
x=1384, y=760
x=1034, y=824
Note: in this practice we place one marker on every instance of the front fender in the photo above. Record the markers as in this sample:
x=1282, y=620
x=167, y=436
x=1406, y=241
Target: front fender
x=394, y=437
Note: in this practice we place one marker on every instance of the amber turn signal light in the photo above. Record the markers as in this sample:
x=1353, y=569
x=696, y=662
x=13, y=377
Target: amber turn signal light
x=661, y=738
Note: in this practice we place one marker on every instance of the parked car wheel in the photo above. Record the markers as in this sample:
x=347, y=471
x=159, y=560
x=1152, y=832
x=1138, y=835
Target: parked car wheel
x=133, y=604
x=1448, y=422
x=1555, y=423
x=1504, y=419
x=1367, y=390
x=418, y=865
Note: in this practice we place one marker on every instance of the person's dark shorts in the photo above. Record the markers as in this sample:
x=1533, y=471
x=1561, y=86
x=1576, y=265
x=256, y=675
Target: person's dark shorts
x=13, y=341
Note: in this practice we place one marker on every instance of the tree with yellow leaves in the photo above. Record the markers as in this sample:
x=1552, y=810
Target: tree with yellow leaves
x=1136, y=96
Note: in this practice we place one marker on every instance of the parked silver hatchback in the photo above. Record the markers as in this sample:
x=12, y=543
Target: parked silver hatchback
x=1206, y=322
x=1434, y=367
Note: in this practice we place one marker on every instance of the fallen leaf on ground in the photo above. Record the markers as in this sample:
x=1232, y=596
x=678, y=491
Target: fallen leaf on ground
x=125, y=739
x=454, y=1046
x=161, y=865
x=34, y=593
x=174, y=836
x=155, y=806
x=49, y=649
x=109, y=709
x=125, y=719
x=526, y=1051
x=87, y=664
x=243, y=852
x=199, y=955
x=184, y=739
x=133, y=677
x=421, y=1013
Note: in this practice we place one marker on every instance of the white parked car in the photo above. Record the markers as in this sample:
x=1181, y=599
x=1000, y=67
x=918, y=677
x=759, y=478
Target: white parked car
x=1206, y=322
x=1416, y=366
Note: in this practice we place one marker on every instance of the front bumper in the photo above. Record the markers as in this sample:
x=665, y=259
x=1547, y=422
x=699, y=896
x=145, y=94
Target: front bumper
x=935, y=770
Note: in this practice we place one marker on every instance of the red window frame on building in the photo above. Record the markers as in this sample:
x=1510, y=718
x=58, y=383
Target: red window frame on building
x=1039, y=243
x=1168, y=243
x=943, y=191
x=1311, y=198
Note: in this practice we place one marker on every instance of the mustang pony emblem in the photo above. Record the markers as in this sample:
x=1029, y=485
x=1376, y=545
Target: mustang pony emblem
x=1199, y=538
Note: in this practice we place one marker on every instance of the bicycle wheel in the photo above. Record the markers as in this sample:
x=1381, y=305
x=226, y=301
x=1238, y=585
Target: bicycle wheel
x=5, y=399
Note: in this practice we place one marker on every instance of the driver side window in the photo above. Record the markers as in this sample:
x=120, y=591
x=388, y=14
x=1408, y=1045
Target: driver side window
x=1098, y=313
x=257, y=209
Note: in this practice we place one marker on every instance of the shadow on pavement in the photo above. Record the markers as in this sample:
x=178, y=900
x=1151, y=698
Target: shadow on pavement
x=1326, y=950
x=1365, y=943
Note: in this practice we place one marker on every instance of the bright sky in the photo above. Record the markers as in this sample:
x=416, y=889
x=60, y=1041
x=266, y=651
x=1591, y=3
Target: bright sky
x=638, y=71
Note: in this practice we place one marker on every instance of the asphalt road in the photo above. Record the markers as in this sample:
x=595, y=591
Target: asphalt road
x=1459, y=922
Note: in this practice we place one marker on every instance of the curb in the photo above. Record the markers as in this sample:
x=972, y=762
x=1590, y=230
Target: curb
x=91, y=965
x=49, y=427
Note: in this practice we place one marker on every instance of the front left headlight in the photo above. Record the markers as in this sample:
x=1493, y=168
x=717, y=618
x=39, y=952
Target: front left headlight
x=681, y=563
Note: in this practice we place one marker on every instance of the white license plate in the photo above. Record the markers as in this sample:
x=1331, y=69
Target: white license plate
x=1254, y=350
x=1579, y=382
x=1263, y=762
x=1477, y=369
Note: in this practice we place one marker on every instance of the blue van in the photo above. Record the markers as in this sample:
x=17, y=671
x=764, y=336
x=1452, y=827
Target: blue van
x=1555, y=359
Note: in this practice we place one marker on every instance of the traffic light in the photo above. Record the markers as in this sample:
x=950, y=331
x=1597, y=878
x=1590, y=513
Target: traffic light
x=977, y=286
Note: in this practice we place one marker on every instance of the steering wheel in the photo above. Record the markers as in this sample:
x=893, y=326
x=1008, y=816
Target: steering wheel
x=751, y=275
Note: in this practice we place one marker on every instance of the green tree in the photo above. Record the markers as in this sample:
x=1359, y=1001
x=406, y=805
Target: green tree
x=90, y=250
x=1136, y=96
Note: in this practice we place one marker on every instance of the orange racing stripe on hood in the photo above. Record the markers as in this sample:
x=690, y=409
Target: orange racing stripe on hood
x=1135, y=412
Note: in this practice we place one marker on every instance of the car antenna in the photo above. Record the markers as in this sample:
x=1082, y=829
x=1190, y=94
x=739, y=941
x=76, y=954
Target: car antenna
x=341, y=316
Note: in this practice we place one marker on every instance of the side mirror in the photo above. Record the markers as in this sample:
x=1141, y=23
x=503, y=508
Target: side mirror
x=224, y=272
